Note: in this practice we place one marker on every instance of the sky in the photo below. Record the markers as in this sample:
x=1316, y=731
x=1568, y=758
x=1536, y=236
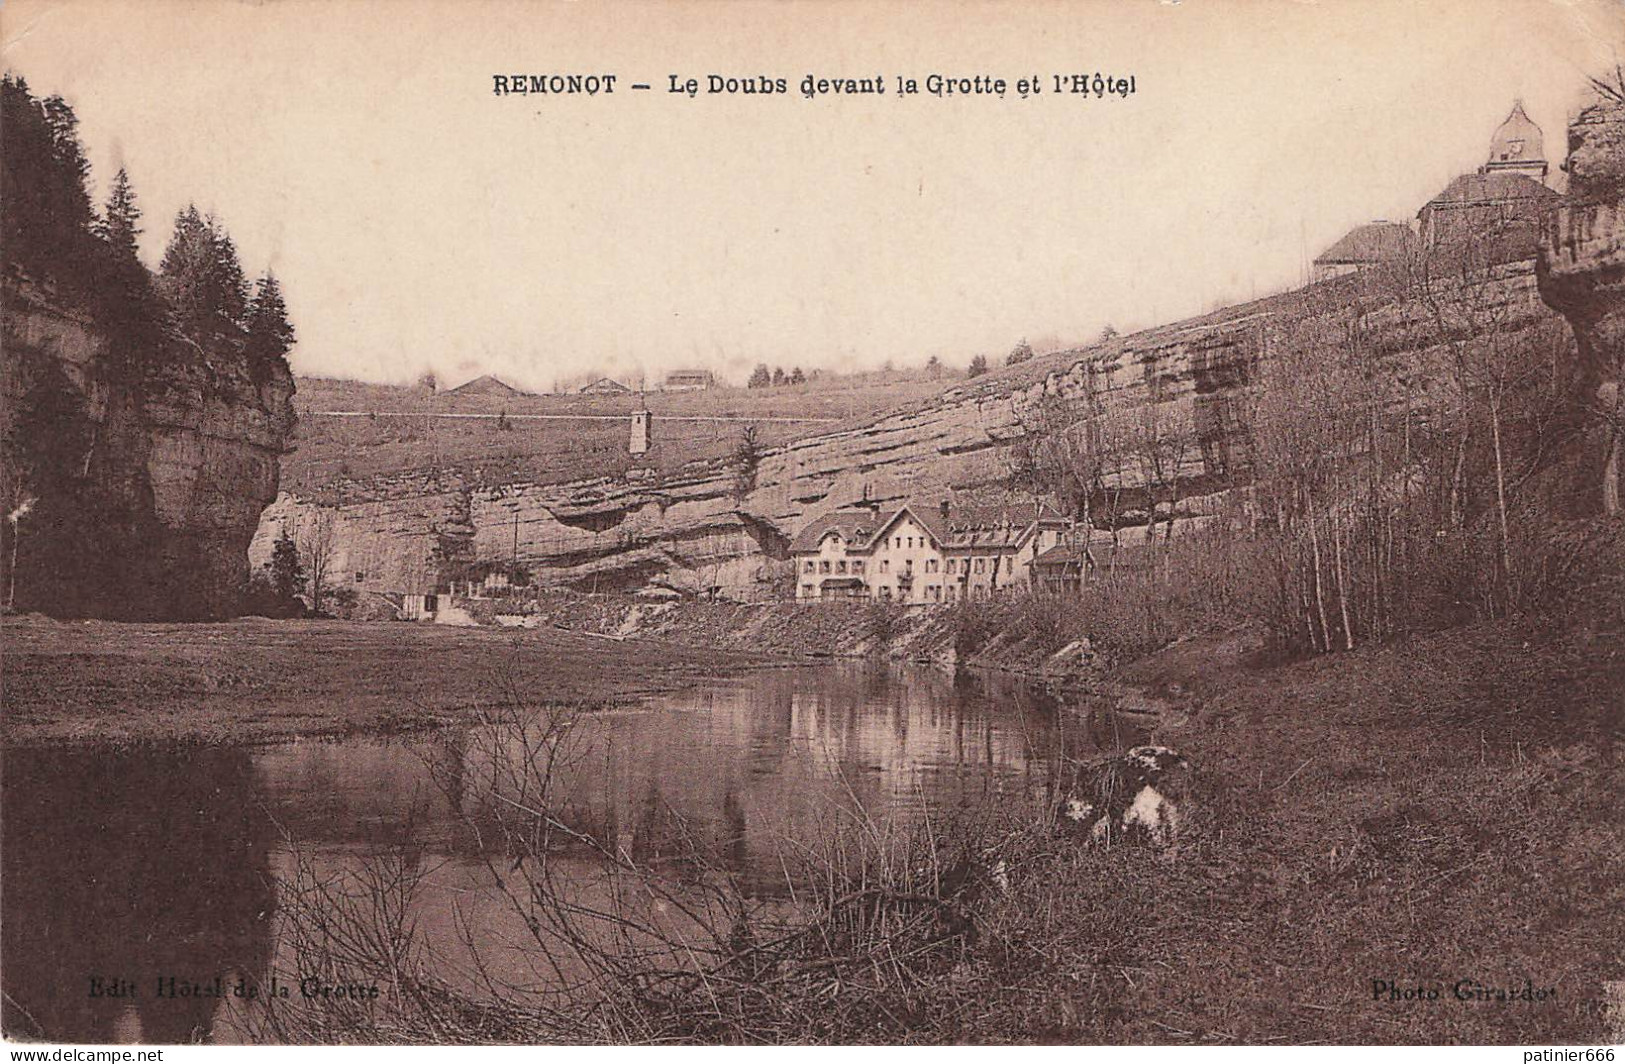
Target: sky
x=418, y=221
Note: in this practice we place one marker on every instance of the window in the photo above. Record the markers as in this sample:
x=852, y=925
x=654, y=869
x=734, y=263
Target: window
x=840, y=566
x=936, y=593
x=360, y=576
x=950, y=566
x=857, y=565
x=885, y=592
x=908, y=566
x=823, y=566
x=885, y=566
x=952, y=592
x=911, y=543
x=1009, y=563
x=810, y=566
x=930, y=565
x=806, y=591
x=897, y=541
x=981, y=565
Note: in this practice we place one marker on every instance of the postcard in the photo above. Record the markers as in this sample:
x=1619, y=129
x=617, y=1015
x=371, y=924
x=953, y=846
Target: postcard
x=812, y=524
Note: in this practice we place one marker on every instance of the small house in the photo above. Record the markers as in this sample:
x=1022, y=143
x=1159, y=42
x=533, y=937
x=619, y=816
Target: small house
x=689, y=380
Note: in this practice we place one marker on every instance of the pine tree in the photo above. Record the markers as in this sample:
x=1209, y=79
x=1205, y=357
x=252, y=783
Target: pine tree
x=270, y=335
x=204, y=281
x=230, y=281
x=760, y=377
x=127, y=304
x=119, y=225
x=978, y=366
x=778, y=376
x=287, y=571
x=797, y=377
x=1019, y=354
x=46, y=232
x=186, y=268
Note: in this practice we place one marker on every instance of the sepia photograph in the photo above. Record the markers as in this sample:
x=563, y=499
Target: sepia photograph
x=725, y=522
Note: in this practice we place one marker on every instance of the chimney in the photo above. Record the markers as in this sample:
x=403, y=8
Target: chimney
x=942, y=508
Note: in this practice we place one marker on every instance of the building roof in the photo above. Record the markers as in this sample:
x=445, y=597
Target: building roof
x=604, y=384
x=854, y=526
x=690, y=374
x=1373, y=242
x=988, y=521
x=966, y=525
x=1492, y=187
x=1518, y=142
x=1061, y=554
x=488, y=385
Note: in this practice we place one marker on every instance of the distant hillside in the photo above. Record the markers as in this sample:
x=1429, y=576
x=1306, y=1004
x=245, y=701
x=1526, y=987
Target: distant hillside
x=491, y=451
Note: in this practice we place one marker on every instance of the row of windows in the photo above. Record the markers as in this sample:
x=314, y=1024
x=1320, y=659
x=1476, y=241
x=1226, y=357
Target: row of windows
x=840, y=566
x=934, y=592
x=931, y=565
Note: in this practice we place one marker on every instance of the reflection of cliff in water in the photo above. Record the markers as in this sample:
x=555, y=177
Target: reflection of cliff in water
x=129, y=866
x=733, y=769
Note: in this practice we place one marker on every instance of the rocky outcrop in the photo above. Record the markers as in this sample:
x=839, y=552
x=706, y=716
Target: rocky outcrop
x=1193, y=380
x=142, y=490
x=1582, y=275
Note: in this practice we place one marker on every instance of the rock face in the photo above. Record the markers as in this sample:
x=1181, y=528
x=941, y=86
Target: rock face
x=702, y=531
x=1582, y=275
x=145, y=495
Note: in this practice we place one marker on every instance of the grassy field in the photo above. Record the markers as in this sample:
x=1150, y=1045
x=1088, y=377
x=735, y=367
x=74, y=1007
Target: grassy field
x=254, y=680
x=1444, y=809
x=546, y=451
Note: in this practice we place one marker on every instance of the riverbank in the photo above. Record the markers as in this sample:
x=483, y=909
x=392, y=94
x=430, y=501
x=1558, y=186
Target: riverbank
x=1444, y=809
x=254, y=680
x=986, y=635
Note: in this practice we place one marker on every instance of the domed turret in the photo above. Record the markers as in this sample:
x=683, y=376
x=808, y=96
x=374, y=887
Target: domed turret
x=1517, y=147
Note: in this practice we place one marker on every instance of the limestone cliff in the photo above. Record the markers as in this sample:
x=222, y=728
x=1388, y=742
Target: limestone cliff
x=1582, y=274
x=139, y=493
x=696, y=531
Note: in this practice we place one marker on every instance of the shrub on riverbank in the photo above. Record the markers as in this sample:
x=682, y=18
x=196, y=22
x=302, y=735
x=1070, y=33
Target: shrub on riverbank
x=1197, y=582
x=1217, y=579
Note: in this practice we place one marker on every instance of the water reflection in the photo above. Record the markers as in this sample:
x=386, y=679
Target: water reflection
x=124, y=867
x=137, y=865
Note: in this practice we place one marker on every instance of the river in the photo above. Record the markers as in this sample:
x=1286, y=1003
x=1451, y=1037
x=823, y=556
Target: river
x=125, y=868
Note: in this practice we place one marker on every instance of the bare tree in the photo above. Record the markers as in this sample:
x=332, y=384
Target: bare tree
x=1067, y=450
x=318, y=540
x=1159, y=443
